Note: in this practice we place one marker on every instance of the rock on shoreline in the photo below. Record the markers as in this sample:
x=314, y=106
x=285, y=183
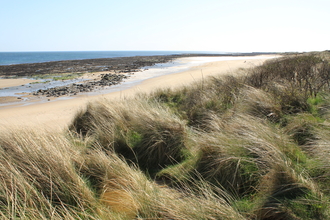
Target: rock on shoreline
x=118, y=65
x=74, y=89
x=115, y=65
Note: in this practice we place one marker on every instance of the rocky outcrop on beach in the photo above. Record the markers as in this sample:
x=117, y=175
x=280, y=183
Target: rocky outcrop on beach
x=74, y=89
x=118, y=65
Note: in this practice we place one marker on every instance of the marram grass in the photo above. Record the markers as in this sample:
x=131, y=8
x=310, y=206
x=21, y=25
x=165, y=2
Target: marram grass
x=249, y=147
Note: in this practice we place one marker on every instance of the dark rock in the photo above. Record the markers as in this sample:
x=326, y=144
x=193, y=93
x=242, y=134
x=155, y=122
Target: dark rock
x=106, y=80
x=125, y=64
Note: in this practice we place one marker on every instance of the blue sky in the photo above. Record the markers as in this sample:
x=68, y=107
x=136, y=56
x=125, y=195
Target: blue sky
x=180, y=25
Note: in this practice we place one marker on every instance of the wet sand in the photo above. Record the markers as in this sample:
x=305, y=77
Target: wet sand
x=58, y=113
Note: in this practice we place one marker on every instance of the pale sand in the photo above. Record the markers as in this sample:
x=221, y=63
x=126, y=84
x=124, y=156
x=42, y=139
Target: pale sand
x=59, y=114
x=4, y=83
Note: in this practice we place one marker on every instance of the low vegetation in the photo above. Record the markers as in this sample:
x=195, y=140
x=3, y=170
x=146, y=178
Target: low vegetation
x=62, y=76
x=255, y=146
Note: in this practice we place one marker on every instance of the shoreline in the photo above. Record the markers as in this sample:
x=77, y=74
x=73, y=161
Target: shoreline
x=118, y=64
x=90, y=82
x=16, y=91
x=126, y=54
x=58, y=113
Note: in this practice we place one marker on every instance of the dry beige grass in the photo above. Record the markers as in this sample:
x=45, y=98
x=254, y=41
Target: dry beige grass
x=220, y=149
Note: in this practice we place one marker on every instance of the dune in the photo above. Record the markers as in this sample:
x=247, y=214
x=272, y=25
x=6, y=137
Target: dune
x=58, y=113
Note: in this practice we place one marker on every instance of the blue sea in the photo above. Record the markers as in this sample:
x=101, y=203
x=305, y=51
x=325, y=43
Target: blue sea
x=8, y=58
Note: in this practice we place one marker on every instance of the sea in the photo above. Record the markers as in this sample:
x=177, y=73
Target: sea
x=9, y=58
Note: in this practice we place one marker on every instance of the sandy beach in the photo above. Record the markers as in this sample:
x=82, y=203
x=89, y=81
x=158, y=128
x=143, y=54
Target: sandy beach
x=14, y=82
x=58, y=113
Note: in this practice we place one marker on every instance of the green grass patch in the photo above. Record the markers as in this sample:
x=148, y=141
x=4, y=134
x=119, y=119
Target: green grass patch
x=40, y=82
x=62, y=76
x=315, y=103
x=246, y=206
x=307, y=207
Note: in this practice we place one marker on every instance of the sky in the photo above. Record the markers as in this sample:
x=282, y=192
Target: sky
x=159, y=25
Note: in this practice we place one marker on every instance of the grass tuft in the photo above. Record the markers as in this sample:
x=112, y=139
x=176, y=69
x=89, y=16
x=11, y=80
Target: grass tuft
x=246, y=147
